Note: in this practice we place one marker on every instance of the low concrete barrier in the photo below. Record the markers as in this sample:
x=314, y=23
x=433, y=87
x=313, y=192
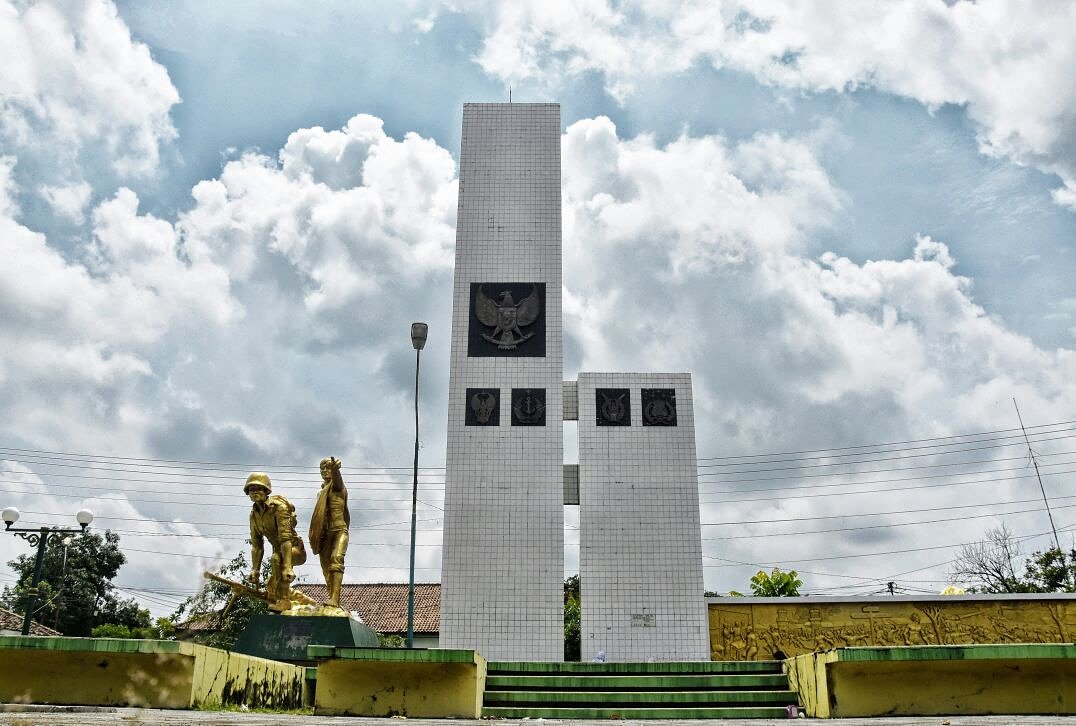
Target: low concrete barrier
x=936, y=681
x=418, y=683
x=141, y=673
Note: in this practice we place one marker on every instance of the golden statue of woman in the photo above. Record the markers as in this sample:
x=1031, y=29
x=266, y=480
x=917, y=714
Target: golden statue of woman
x=329, y=528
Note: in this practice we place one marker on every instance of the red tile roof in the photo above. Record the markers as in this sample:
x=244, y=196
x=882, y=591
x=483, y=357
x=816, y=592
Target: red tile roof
x=13, y=621
x=383, y=606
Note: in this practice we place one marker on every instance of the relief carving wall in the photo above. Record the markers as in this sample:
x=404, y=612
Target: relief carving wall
x=758, y=631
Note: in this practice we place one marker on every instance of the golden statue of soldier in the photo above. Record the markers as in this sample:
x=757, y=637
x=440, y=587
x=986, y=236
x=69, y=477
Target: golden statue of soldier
x=329, y=528
x=272, y=518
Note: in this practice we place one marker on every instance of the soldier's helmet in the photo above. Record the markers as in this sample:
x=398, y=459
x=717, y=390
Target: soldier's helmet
x=258, y=479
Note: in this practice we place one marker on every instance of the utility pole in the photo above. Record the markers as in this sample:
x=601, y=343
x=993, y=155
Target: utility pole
x=1035, y=463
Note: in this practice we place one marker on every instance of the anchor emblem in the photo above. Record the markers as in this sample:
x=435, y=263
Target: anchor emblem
x=528, y=406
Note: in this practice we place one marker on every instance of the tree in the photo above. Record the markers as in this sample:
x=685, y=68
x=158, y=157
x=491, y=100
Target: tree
x=76, y=595
x=215, y=617
x=992, y=565
x=572, y=619
x=776, y=584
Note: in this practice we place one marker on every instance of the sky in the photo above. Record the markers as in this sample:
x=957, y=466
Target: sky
x=853, y=224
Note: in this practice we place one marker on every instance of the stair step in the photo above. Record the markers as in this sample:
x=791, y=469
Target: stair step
x=626, y=713
x=527, y=667
x=653, y=699
x=637, y=682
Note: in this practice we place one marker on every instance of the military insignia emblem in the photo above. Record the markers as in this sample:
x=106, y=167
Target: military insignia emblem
x=614, y=407
x=659, y=407
x=482, y=409
x=528, y=407
x=507, y=317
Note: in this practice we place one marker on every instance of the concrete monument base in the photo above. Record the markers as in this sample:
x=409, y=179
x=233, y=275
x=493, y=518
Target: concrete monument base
x=285, y=638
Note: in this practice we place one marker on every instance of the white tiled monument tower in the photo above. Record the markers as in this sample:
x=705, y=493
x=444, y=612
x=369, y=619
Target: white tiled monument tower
x=503, y=556
x=505, y=485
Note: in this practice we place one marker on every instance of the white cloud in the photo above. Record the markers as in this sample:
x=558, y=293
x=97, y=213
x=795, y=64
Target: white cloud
x=353, y=212
x=689, y=256
x=715, y=233
x=73, y=82
x=68, y=200
x=1009, y=64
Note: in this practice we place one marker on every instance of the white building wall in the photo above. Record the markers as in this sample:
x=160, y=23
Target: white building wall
x=503, y=556
x=640, y=554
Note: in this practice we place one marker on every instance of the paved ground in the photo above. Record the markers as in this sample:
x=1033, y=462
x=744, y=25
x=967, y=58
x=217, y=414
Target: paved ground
x=148, y=717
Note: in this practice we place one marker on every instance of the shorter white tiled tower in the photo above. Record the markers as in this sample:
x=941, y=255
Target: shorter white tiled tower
x=640, y=554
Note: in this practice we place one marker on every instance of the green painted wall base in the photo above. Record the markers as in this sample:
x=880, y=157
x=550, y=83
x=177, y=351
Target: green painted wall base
x=936, y=680
x=395, y=682
x=141, y=673
x=286, y=638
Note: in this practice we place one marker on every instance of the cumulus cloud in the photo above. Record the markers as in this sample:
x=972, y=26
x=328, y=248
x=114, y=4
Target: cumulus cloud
x=689, y=256
x=72, y=80
x=262, y=325
x=1009, y=64
x=352, y=212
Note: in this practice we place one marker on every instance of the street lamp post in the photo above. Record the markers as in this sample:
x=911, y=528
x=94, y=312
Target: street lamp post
x=418, y=340
x=40, y=538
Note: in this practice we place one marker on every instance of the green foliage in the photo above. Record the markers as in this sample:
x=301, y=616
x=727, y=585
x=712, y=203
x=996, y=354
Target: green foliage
x=776, y=584
x=212, y=616
x=572, y=618
x=1050, y=571
x=76, y=596
x=163, y=629
x=992, y=566
x=391, y=641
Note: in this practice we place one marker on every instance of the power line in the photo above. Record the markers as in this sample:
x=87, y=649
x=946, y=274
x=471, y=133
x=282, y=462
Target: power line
x=872, y=481
x=189, y=464
x=871, y=514
x=238, y=466
x=888, y=458
x=859, y=555
x=883, y=470
x=890, y=443
x=879, y=526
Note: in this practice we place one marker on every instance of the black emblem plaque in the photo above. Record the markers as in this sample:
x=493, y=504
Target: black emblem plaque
x=507, y=319
x=483, y=407
x=528, y=407
x=659, y=407
x=614, y=406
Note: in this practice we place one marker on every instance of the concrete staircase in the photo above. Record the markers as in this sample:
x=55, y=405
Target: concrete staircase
x=755, y=689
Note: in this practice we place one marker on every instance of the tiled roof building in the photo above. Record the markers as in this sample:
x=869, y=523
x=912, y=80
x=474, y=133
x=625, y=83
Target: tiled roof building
x=383, y=606
x=12, y=623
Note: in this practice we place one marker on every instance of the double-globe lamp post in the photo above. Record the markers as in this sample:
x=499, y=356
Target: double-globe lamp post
x=40, y=538
x=418, y=340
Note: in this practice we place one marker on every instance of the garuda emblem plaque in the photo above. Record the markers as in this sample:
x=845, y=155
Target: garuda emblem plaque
x=507, y=319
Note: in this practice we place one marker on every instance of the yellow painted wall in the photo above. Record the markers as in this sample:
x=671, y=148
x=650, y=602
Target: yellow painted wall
x=415, y=690
x=96, y=679
x=224, y=678
x=829, y=688
x=194, y=676
x=754, y=631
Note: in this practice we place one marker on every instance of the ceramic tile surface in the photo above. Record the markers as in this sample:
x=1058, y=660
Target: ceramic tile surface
x=640, y=552
x=503, y=557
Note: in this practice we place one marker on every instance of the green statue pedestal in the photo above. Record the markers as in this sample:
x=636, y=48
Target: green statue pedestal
x=285, y=637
